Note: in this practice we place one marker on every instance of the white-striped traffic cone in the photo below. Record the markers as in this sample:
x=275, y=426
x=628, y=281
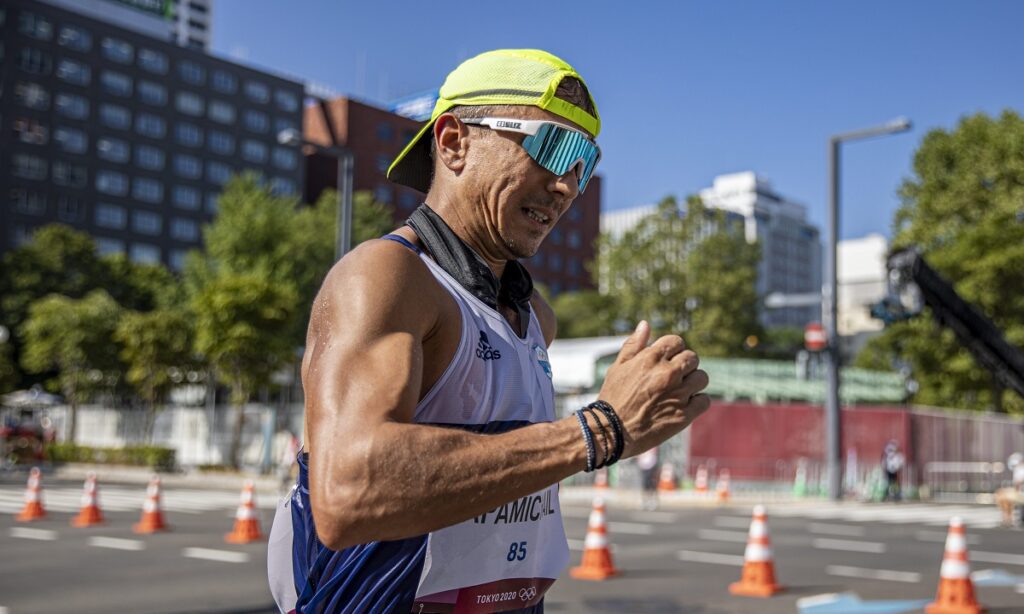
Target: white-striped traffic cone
x=597, y=558
x=758, y=578
x=956, y=589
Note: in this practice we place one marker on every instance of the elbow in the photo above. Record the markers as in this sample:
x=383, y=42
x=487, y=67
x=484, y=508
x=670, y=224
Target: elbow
x=337, y=524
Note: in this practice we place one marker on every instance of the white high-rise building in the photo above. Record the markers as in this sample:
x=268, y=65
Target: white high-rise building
x=790, y=245
x=186, y=22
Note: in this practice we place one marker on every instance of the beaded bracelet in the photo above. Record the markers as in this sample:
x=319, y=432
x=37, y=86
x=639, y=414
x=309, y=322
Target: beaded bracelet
x=605, y=445
x=617, y=430
x=588, y=437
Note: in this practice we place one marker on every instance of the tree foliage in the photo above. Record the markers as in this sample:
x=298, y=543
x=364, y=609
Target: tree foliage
x=962, y=208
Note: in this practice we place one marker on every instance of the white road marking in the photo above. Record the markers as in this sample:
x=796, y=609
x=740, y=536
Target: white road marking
x=731, y=522
x=995, y=557
x=632, y=528
x=709, y=557
x=116, y=543
x=823, y=543
x=40, y=534
x=940, y=536
x=905, y=513
x=225, y=556
x=836, y=529
x=873, y=574
x=575, y=544
x=3, y=610
x=575, y=512
x=658, y=517
x=1019, y=589
x=722, y=536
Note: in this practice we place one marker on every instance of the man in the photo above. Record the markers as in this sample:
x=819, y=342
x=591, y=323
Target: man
x=429, y=482
x=892, y=464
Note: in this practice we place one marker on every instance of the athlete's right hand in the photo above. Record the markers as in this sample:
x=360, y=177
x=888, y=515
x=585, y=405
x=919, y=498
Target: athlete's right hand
x=655, y=390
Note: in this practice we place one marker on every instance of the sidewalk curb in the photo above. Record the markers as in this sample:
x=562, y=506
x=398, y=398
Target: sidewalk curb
x=124, y=474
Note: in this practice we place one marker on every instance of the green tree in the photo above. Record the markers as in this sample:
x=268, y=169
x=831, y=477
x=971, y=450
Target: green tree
x=585, y=313
x=962, y=209
x=73, y=337
x=156, y=347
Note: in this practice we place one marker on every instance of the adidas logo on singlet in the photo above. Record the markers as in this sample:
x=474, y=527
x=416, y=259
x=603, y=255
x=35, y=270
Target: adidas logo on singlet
x=484, y=349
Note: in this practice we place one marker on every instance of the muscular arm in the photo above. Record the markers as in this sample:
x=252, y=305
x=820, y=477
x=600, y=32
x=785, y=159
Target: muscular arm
x=373, y=474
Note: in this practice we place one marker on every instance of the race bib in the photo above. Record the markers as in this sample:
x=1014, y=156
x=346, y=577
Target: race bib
x=504, y=559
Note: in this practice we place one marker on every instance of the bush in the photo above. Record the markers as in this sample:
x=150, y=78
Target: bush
x=141, y=456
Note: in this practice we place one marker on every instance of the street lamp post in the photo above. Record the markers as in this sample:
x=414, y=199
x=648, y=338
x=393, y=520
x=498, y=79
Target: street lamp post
x=346, y=169
x=829, y=295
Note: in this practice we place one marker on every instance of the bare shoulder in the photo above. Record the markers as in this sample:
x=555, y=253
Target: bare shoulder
x=545, y=316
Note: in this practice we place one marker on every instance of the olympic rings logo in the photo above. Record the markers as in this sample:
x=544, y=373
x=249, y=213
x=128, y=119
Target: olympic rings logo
x=527, y=594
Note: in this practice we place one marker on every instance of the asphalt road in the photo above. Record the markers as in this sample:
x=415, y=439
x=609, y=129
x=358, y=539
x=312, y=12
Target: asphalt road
x=672, y=560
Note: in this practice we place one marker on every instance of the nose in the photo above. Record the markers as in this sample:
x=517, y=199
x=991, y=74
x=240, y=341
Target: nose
x=567, y=185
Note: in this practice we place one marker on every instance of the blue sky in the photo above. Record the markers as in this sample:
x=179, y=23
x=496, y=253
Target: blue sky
x=686, y=90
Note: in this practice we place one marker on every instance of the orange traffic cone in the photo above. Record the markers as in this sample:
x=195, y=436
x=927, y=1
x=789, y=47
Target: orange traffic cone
x=597, y=559
x=152, y=517
x=33, y=509
x=667, y=479
x=722, y=487
x=601, y=478
x=758, y=578
x=956, y=590
x=90, y=514
x=247, y=522
x=700, y=482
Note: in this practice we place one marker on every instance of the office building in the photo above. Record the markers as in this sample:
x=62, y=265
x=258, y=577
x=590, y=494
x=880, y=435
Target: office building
x=376, y=136
x=183, y=22
x=126, y=135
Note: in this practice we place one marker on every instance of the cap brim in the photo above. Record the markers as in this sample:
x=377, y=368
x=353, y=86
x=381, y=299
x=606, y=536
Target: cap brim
x=413, y=167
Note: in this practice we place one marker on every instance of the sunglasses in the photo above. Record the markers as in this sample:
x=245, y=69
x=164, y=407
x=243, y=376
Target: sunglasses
x=556, y=147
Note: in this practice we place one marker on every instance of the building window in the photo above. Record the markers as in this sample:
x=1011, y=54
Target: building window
x=407, y=200
x=221, y=143
x=117, y=50
x=116, y=117
x=149, y=158
x=28, y=167
x=71, y=175
x=224, y=82
x=147, y=190
x=257, y=91
x=153, y=61
x=220, y=111
x=574, y=239
x=71, y=140
x=284, y=158
x=116, y=84
x=556, y=236
x=112, y=150
x=383, y=162
x=110, y=216
x=28, y=202
x=211, y=203
x=106, y=246
x=176, y=259
x=555, y=261
x=192, y=73
x=32, y=95
x=188, y=167
x=184, y=197
x=188, y=135
x=254, y=151
x=382, y=194
x=150, y=125
x=184, y=230
x=30, y=131
x=73, y=72
x=70, y=209
x=385, y=132
x=147, y=222
x=256, y=121
x=152, y=94
x=284, y=123
x=70, y=105
x=75, y=38
x=189, y=103
x=144, y=253
x=111, y=182
x=282, y=186
x=34, y=61
x=218, y=173
x=35, y=26
x=286, y=101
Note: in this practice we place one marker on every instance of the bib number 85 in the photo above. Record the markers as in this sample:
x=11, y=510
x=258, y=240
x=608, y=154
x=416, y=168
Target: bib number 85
x=516, y=552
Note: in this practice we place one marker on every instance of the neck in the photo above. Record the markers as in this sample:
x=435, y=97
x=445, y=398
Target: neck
x=471, y=229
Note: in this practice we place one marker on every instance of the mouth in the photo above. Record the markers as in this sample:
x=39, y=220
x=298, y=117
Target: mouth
x=538, y=216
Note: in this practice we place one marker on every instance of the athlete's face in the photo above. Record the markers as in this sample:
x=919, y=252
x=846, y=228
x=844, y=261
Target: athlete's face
x=519, y=201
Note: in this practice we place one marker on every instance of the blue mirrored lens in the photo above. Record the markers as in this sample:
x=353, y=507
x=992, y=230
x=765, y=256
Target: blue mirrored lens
x=559, y=149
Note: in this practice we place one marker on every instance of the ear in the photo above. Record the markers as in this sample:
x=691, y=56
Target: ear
x=451, y=138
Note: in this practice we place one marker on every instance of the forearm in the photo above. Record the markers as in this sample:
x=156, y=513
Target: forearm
x=400, y=480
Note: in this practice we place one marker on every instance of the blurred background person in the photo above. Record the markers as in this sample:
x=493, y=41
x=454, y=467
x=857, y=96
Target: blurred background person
x=892, y=464
x=1011, y=497
x=648, y=464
